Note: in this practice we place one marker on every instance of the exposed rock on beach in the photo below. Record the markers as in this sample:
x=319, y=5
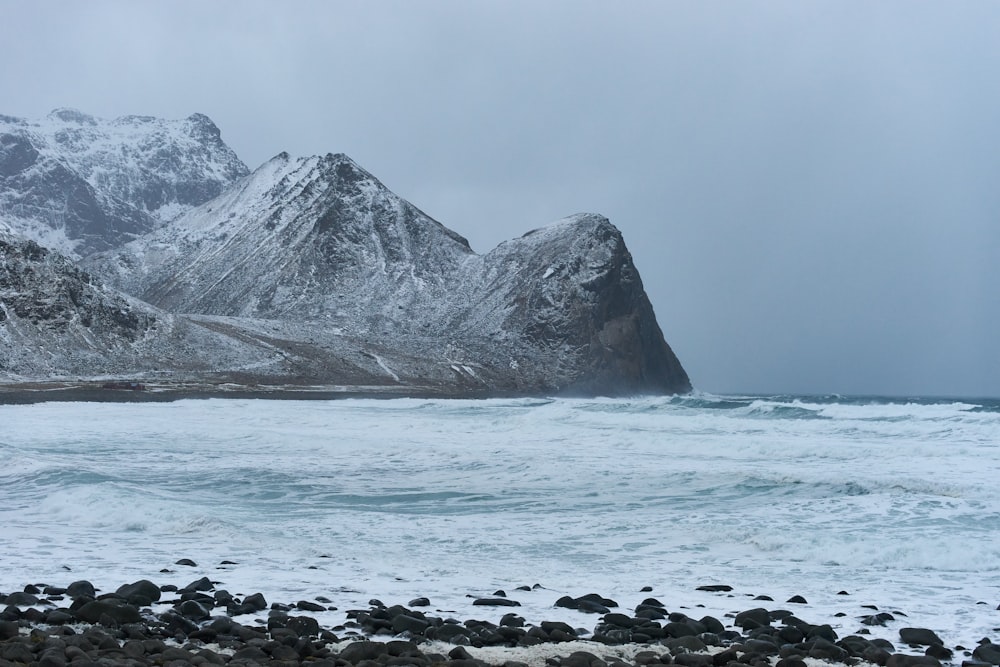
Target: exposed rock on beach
x=141, y=623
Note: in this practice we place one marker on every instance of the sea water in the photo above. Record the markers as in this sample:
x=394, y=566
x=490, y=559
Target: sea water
x=894, y=502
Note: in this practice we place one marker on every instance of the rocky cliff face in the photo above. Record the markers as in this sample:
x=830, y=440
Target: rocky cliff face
x=305, y=271
x=571, y=291
x=314, y=238
x=58, y=322
x=80, y=184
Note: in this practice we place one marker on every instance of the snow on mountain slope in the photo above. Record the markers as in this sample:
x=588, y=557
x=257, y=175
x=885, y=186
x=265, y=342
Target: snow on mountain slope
x=320, y=240
x=80, y=184
x=571, y=291
x=306, y=271
x=313, y=238
x=59, y=322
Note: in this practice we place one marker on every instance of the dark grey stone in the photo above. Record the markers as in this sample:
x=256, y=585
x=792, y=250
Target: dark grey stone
x=403, y=623
x=21, y=599
x=987, y=653
x=306, y=605
x=193, y=610
x=752, y=618
x=79, y=589
x=919, y=636
x=496, y=602
x=903, y=660
x=120, y=612
x=143, y=588
x=355, y=652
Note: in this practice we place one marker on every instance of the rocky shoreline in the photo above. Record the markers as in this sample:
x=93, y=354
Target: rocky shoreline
x=142, y=624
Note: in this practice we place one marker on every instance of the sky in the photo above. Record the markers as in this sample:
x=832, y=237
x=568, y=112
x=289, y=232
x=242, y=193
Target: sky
x=810, y=190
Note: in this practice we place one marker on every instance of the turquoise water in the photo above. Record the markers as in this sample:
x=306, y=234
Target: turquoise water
x=893, y=499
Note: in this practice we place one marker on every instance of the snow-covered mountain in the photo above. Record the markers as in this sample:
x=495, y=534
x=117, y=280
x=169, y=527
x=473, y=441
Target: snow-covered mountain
x=313, y=238
x=311, y=271
x=59, y=322
x=80, y=184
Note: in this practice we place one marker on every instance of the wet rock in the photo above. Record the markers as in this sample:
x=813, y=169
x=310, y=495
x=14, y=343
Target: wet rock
x=693, y=660
x=679, y=629
x=823, y=631
x=987, y=653
x=120, y=612
x=303, y=626
x=176, y=623
x=496, y=602
x=551, y=627
x=255, y=602
x=591, y=607
x=355, y=652
x=822, y=649
x=512, y=620
x=684, y=644
x=81, y=589
x=763, y=646
x=21, y=599
x=797, y=599
x=193, y=610
x=715, y=588
x=599, y=599
x=876, y=655
x=141, y=590
x=187, y=562
x=405, y=623
x=250, y=655
x=223, y=598
x=582, y=659
x=59, y=617
x=939, y=652
x=791, y=662
x=306, y=605
x=712, y=624
x=752, y=618
x=902, y=660
x=448, y=632
x=919, y=636
x=201, y=585
x=16, y=652
x=420, y=602
x=879, y=619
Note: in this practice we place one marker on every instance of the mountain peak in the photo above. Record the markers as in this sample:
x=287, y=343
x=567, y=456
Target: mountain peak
x=94, y=184
x=70, y=115
x=202, y=125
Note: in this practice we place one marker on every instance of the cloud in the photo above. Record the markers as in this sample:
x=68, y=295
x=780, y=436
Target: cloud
x=809, y=189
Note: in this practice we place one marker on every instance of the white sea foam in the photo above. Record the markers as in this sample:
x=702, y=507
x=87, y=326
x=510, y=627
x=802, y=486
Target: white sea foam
x=894, y=502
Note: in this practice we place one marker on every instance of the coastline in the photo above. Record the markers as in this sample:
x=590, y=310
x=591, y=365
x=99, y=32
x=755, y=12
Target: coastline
x=27, y=393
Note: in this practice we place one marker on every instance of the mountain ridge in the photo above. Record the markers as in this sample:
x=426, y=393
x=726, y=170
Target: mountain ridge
x=311, y=271
x=81, y=184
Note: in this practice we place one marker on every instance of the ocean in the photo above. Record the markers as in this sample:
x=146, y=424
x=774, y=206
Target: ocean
x=851, y=503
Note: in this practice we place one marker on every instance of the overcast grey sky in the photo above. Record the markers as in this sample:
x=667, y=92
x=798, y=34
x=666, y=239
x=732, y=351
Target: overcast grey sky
x=810, y=190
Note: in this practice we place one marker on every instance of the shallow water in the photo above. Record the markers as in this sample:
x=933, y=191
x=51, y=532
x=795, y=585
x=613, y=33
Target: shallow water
x=893, y=501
